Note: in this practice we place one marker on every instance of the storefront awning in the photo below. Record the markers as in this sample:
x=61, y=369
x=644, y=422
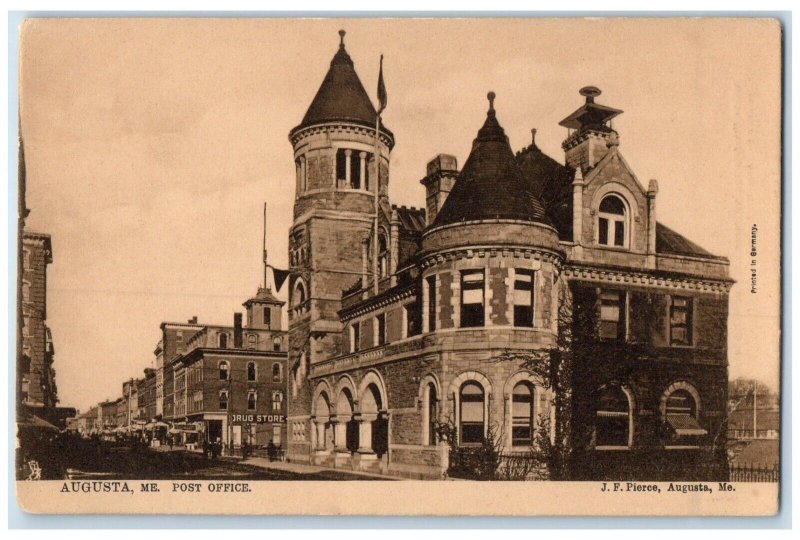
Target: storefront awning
x=685, y=424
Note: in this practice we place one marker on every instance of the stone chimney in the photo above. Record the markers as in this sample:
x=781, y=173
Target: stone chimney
x=193, y=320
x=237, y=331
x=442, y=172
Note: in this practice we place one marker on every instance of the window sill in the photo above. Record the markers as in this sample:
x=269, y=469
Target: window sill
x=682, y=447
x=620, y=249
x=612, y=448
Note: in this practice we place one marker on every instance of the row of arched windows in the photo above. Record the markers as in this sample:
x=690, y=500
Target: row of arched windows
x=615, y=412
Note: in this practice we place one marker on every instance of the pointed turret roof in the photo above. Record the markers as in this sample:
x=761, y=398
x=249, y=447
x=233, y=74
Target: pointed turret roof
x=491, y=184
x=341, y=97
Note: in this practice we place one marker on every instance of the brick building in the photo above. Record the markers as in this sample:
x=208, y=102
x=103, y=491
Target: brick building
x=229, y=382
x=37, y=392
x=510, y=253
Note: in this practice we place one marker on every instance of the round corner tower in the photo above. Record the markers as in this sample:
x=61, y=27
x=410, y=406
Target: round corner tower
x=334, y=214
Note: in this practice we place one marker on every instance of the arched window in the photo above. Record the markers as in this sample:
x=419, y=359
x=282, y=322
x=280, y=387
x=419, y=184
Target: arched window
x=223, y=341
x=682, y=418
x=251, y=342
x=433, y=413
x=223, y=371
x=472, y=414
x=276, y=372
x=251, y=400
x=223, y=400
x=383, y=256
x=613, y=419
x=251, y=371
x=26, y=291
x=277, y=401
x=612, y=222
x=276, y=344
x=522, y=415
x=299, y=293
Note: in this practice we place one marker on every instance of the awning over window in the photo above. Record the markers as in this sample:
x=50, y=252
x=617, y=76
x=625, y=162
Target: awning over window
x=685, y=424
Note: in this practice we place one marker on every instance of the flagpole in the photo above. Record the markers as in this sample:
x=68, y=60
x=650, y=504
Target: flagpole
x=375, y=248
x=265, y=244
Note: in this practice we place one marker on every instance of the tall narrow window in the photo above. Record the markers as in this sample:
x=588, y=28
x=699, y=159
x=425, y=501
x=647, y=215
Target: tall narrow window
x=251, y=371
x=472, y=297
x=383, y=256
x=412, y=319
x=431, y=303
x=612, y=424
x=522, y=415
x=680, y=321
x=267, y=317
x=276, y=372
x=223, y=371
x=471, y=413
x=355, y=336
x=277, y=401
x=355, y=170
x=341, y=166
x=523, y=298
x=276, y=344
x=251, y=342
x=380, y=329
x=611, y=222
x=251, y=400
x=223, y=341
x=612, y=315
x=433, y=413
x=223, y=400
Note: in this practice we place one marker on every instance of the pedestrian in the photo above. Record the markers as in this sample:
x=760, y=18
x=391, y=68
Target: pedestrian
x=271, y=450
x=216, y=448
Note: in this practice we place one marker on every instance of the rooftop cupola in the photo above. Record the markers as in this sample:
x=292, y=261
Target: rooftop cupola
x=491, y=184
x=590, y=131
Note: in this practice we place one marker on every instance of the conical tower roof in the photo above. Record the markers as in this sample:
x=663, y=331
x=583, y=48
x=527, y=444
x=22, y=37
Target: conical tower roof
x=341, y=97
x=491, y=184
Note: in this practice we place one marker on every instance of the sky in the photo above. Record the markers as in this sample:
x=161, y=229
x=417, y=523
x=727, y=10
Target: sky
x=152, y=144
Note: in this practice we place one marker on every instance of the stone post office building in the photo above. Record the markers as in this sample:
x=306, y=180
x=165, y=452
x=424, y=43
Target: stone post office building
x=482, y=271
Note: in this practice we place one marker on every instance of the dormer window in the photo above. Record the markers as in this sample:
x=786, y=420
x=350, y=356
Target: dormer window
x=612, y=229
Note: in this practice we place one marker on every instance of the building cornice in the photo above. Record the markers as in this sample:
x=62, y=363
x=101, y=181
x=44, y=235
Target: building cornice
x=446, y=255
x=652, y=278
x=298, y=134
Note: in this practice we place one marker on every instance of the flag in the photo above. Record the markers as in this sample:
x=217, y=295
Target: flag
x=279, y=276
x=381, y=89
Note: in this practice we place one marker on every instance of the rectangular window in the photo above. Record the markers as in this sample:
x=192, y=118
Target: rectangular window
x=612, y=315
x=603, y=231
x=680, y=321
x=523, y=298
x=341, y=165
x=619, y=233
x=431, y=303
x=412, y=319
x=267, y=317
x=380, y=329
x=355, y=337
x=472, y=297
x=355, y=170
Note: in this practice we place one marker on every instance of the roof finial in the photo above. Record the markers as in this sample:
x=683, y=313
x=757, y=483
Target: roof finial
x=590, y=92
x=533, y=136
x=341, y=38
x=491, y=97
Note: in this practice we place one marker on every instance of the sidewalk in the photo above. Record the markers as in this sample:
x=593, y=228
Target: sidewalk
x=302, y=468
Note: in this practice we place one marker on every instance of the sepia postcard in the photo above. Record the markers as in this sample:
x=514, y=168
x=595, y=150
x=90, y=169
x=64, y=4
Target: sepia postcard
x=399, y=266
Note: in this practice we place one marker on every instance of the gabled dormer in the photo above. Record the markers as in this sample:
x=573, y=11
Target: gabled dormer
x=611, y=208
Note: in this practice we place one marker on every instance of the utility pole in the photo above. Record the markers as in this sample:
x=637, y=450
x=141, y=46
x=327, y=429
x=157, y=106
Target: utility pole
x=755, y=400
